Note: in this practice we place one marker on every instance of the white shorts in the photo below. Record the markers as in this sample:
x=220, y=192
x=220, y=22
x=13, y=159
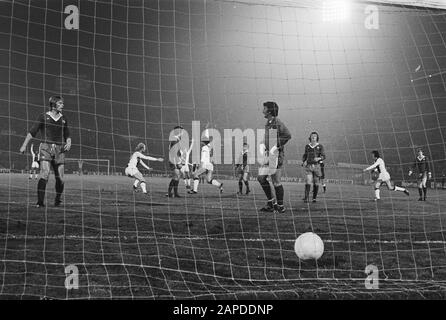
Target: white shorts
x=207, y=166
x=35, y=165
x=131, y=171
x=185, y=169
x=384, y=176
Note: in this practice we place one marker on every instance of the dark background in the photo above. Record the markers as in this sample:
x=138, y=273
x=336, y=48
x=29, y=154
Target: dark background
x=136, y=69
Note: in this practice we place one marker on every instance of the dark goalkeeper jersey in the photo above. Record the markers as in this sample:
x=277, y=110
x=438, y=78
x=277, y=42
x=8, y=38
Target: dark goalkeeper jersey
x=421, y=165
x=52, y=130
x=283, y=135
x=312, y=152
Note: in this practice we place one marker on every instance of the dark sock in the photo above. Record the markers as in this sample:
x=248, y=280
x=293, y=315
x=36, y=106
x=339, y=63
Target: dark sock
x=171, y=184
x=175, y=186
x=279, y=194
x=59, y=188
x=266, y=188
x=315, y=190
x=240, y=186
x=420, y=191
x=307, y=191
x=41, y=186
x=425, y=191
x=247, y=185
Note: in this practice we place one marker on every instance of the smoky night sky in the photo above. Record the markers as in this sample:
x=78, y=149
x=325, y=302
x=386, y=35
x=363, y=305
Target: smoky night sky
x=136, y=69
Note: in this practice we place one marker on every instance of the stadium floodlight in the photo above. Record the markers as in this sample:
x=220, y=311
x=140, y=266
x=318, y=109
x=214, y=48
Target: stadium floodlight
x=335, y=10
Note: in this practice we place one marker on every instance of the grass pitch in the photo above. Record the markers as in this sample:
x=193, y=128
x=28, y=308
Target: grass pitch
x=216, y=246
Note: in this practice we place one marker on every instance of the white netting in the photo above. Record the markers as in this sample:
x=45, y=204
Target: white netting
x=372, y=79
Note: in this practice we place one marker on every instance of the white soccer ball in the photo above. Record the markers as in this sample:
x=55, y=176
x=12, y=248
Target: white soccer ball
x=309, y=246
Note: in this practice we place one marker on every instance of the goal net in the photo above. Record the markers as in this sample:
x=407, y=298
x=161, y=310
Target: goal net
x=88, y=166
x=365, y=75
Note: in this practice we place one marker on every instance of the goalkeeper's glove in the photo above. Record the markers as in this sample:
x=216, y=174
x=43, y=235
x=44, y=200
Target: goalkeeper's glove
x=274, y=150
x=262, y=149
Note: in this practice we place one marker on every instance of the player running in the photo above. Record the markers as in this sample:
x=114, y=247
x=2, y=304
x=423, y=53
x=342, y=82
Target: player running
x=311, y=160
x=384, y=176
x=242, y=170
x=175, y=164
x=421, y=166
x=34, y=164
x=132, y=167
x=206, y=167
x=273, y=158
x=55, y=137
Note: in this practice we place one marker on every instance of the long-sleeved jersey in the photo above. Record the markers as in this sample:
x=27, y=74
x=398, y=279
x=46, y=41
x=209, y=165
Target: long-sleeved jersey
x=283, y=134
x=312, y=152
x=379, y=165
x=53, y=130
x=206, y=154
x=135, y=158
x=420, y=165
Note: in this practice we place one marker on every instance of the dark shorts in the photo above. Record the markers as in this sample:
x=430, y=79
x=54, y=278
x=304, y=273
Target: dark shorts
x=314, y=170
x=52, y=152
x=174, y=166
x=422, y=177
x=243, y=170
x=280, y=161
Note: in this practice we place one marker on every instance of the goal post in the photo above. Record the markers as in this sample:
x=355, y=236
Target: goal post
x=89, y=166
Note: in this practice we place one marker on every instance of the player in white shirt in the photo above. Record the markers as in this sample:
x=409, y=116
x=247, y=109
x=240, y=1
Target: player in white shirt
x=206, y=167
x=35, y=163
x=132, y=167
x=384, y=176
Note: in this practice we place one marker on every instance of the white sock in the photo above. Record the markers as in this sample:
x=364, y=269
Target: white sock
x=216, y=183
x=377, y=193
x=143, y=187
x=196, y=183
x=399, y=188
x=188, y=182
x=135, y=184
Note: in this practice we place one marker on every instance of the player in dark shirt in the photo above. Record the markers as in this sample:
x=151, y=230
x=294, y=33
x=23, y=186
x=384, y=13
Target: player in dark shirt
x=55, y=141
x=175, y=163
x=273, y=157
x=242, y=170
x=314, y=154
x=421, y=166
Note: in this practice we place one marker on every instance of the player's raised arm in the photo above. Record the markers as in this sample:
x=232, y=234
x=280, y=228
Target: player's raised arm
x=142, y=156
x=373, y=166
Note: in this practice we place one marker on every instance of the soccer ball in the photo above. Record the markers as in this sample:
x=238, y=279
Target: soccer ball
x=309, y=246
